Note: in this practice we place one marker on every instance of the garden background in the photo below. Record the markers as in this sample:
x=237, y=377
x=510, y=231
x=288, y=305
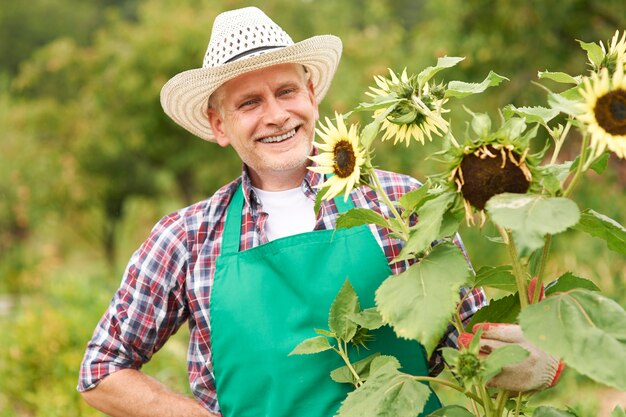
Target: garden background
x=89, y=162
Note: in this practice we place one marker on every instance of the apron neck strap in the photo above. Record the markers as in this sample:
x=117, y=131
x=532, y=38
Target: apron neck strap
x=231, y=238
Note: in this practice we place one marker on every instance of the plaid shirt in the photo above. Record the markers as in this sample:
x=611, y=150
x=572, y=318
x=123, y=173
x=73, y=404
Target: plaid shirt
x=169, y=278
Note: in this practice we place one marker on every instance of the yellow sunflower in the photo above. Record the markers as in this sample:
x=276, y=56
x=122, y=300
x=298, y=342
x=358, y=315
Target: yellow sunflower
x=417, y=115
x=604, y=111
x=340, y=155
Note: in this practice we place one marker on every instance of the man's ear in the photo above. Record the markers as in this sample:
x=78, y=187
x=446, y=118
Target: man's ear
x=217, y=125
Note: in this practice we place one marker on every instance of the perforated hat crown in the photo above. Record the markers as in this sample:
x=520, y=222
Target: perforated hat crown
x=242, y=41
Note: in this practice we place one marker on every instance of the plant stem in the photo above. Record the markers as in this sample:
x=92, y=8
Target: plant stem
x=518, y=270
x=487, y=403
x=450, y=385
x=559, y=142
x=518, y=404
x=579, y=168
x=343, y=352
x=542, y=266
x=379, y=189
x=501, y=401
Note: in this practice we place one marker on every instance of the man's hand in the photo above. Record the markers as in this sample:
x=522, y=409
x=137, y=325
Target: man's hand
x=537, y=372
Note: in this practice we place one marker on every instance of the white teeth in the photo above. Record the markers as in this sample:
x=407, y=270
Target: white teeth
x=280, y=138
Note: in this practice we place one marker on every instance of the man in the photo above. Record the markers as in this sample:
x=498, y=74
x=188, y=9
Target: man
x=252, y=269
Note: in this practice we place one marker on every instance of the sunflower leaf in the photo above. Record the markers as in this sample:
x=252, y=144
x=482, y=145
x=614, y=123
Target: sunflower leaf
x=343, y=375
x=594, y=52
x=531, y=217
x=428, y=227
x=369, y=318
x=605, y=228
x=546, y=411
x=499, y=277
x=502, y=310
x=442, y=63
x=535, y=114
x=501, y=357
x=559, y=77
x=360, y=216
x=419, y=302
x=412, y=200
x=387, y=392
x=584, y=328
x=462, y=89
x=563, y=104
x=567, y=282
x=451, y=411
x=346, y=303
x=312, y=345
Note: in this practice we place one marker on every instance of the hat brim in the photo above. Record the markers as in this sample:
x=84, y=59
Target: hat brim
x=184, y=97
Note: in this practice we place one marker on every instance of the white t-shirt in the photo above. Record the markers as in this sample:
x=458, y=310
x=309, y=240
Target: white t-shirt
x=289, y=212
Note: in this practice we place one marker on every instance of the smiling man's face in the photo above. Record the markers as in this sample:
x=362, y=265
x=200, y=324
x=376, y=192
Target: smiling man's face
x=268, y=116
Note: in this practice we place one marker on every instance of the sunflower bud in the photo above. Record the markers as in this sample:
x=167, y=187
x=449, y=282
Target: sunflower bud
x=403, y=114
x=468, y=365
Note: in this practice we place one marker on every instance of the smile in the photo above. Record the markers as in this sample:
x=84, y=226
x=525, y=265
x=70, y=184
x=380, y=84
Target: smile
x=279, y=138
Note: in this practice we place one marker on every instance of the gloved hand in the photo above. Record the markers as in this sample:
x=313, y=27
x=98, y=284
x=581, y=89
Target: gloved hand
x=537, y=372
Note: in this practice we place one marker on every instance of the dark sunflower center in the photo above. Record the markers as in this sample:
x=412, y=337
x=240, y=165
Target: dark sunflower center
x=484, y=178
x=345, y=159
x=610, y=112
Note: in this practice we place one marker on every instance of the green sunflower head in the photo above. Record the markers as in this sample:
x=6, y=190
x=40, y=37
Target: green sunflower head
x=491, y=162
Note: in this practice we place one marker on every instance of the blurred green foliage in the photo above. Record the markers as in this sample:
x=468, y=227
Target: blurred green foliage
x=89, y=162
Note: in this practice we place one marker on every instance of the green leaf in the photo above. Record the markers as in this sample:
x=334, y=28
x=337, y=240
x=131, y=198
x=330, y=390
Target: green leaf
x=319, y=199
x=585, y=329
x=360, y=216
x=564, y=104
x=462, y=89
x=501, y=357
x=618, y=412
x=531, y=217
x=553, y=175
x=450, y=355
x=481, y=124
x=536, y=114
x=412, y=200
x=502, y=310
x=559, y=77
x=567, y=282
x=451, y=411
x=594, y=52
x=496, y=277
x=325, y=333
x=376, y=105
x=383, y=360
x=427, y=229
x=605, y=228
x=419, y=302
x=442, y=63
x=345, y=304
x=343, y=375
x=387, y=392
x=545, y=411
x=369, y=318
x=313, y=345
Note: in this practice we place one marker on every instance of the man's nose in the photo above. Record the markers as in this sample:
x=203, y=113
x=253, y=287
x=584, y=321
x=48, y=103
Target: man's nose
x=275, y=114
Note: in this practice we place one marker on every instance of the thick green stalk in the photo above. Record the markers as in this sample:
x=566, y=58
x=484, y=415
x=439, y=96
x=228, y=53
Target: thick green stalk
x=542, y=266
x=518, y=270
x=579, y=168
x=343, y=352
x=449, y=384
x=404, y=233
x=503, y=395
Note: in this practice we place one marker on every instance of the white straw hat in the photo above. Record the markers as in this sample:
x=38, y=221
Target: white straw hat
x=244, y=40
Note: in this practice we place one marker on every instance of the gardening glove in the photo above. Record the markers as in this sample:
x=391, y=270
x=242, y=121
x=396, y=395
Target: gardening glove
x=537, y=372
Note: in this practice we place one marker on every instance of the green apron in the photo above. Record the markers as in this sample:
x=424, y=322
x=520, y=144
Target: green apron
x=268, y=299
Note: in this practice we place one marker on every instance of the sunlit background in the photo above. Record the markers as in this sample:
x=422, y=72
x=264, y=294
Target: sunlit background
x=88, y=161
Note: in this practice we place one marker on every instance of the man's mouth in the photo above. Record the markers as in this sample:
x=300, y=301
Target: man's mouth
x=279, y=138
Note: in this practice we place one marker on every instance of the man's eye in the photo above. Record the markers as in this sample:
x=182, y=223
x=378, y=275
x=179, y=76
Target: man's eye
x=286, y=91
x=248, y=103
